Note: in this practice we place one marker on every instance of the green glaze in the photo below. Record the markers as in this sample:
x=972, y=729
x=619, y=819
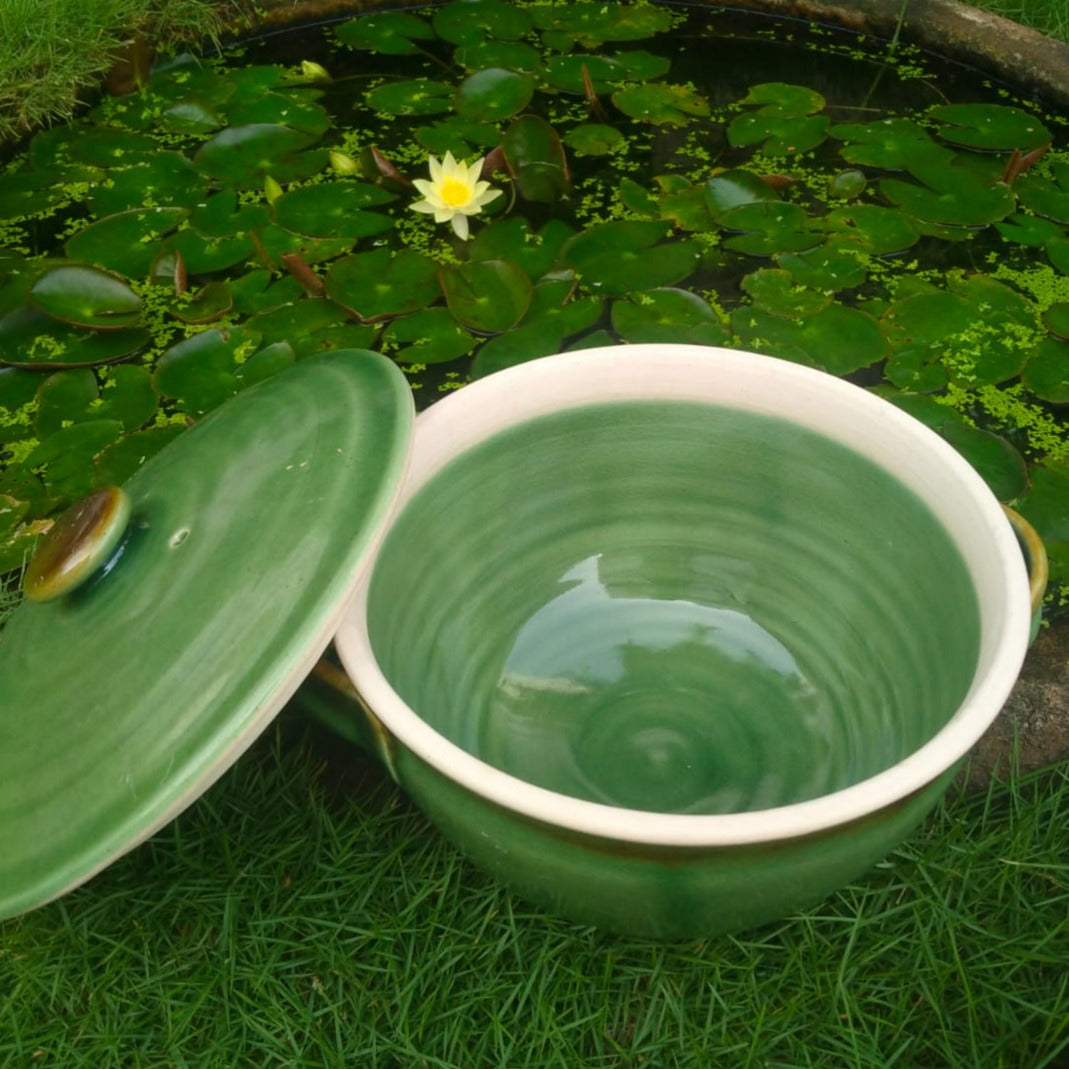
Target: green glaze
x=642, y=890
x=121, y=702
x=674, y=607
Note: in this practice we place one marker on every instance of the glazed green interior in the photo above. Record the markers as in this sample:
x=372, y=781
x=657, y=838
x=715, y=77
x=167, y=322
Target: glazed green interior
x=674, y=607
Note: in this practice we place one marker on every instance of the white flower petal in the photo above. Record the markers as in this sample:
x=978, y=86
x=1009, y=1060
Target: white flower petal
x=460, y=226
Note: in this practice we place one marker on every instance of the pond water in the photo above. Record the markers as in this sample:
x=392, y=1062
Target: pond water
x=662, y=173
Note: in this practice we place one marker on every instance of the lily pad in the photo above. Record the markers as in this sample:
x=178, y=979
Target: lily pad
x=378, y=284
x=1047, y=372
x=514, y=239
x=661, y=103
x=243, y=156
x=211, y=302
x=594, y=139
x=775, y=291
x=86, y=297
x=998, y=462
x=1056, y=319
x=191, y=115
x=466, y=22
x=295, y=320
x=493, y=94
x=685, y=204
x=1030, y=230
x=487, y=295
x=334, y=209
x=668, y=315
x=783, y=122
x=512, y=55
x=220, y=216
x=553, y=317
x=462, y=137
x=628, y=255
x=589, y=24
x=826, y=268
x=784, y=98
x=255, y=292
x=1058, y=253
x=295, y=110
x=17, y=388
x=65, y=459
x=117, y=462
x=779, y=135
x=881, y=230
x=1048, y=197
x=570, y=73
x=393, y=33
x=275, y=242
x=894, y=144
x=204, y=255
x=416, y=96
x=768, y=227
x=977, y=332
x=31, y=339
x=430, y=336
x=202, y=371
x=990, y=127
x=330, y=339
x=70, y=397
x=838, y=339
x=28, y=192
x=126, y=242
x=167, y=180
x=102, y=146
x=730, y=189
x=536, y=160
x=953, y=196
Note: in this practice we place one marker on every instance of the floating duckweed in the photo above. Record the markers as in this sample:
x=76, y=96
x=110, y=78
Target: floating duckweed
x=901, y=282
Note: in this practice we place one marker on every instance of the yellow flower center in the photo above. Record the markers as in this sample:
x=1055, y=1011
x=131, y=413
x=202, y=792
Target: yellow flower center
x=454, y=193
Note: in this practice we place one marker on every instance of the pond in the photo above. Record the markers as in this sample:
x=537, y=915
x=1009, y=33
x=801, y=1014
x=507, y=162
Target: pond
x=582, y=174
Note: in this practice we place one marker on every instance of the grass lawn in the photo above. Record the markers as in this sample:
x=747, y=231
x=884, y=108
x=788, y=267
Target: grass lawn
x=305, y=914
x=56, y=49
x=1047, y=16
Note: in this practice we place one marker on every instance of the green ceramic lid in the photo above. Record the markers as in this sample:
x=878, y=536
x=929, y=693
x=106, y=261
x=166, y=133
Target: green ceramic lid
x=123, y=699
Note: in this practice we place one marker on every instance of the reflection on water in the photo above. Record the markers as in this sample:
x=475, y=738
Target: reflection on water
x=653, y=703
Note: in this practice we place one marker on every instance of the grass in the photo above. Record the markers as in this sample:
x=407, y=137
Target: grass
x=304, y=914
x=56, y=50
x=1047, y=16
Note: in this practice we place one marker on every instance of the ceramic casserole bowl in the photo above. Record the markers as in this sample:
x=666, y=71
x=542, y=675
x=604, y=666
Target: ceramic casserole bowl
x=676, y=640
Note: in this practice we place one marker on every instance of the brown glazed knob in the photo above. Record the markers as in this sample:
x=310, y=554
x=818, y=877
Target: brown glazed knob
x=78, y=543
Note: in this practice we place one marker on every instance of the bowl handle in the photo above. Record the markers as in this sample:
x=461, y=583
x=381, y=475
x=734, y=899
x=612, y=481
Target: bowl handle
x=329, y=695
x=1035, y=555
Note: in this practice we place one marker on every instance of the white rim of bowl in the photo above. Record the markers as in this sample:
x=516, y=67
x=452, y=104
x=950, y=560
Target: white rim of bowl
x=862, y=421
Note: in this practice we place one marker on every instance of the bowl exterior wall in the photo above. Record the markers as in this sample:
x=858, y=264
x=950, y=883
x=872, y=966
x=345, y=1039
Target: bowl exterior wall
x=662, y=893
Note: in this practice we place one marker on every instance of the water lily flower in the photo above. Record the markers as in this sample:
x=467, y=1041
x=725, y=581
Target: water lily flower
x=454, y=192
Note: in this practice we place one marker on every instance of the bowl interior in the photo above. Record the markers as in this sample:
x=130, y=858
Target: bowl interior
x=674, y=607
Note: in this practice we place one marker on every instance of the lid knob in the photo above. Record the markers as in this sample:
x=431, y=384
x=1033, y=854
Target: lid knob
x=78, y=543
